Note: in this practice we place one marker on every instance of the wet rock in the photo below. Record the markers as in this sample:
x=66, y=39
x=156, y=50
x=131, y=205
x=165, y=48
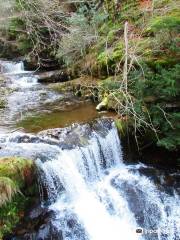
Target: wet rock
x=85, y=87
x=139, y=204
x=151, y=173
x=102, y=105
x=163, y=178
x=53, y=76
x=77, y=134
x=36, y=225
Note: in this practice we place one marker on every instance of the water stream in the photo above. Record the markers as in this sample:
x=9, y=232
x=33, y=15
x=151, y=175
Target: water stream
x=92, y=193
x=34, y=107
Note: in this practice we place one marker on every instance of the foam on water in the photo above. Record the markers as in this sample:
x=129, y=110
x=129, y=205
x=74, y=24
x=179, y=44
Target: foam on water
x=18, y=76
x=98, y=191
x=11, y=67
x=25, y=93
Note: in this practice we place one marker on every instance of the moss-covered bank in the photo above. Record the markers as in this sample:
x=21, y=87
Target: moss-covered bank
x=17, y=191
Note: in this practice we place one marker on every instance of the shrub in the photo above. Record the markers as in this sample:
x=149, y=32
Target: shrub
x=82, y=33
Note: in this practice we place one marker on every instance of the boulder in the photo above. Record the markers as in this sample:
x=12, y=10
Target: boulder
x=53, y=76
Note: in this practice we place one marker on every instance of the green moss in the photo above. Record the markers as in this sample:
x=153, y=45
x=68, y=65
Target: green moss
x=2, y=93
x=111, y=56
x=121, y=126
x=118, y=52
x=171, y=22
x=109, y=84
x=130, y=11
x=16, y=169
x=2, y=103
x=16, y=190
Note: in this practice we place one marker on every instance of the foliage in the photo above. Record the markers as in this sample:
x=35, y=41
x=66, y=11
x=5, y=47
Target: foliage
x=108, y=58
x=171, y=22
x=16, y=169
x=82, y=33
x=11, y=213
x=16, y=178
x=153, y=73
x=160, y=91
x=109, y=84
x=36, y=27
x=8, y=190
x=168, y=126
x=7, y=8
x=165, y=84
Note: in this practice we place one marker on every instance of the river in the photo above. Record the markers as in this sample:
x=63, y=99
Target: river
x=91, y=192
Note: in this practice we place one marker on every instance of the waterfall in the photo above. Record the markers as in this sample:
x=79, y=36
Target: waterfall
x=95, y=196
x=16, y=73
x=11, y=67
x=25, y=94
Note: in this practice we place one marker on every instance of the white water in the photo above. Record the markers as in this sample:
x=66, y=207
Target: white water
x=11, y=67
x=25, y=94
x=17, y=75
x=97, y=190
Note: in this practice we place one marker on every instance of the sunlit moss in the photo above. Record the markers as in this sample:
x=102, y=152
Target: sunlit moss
x=16, y=183
x=15, y=168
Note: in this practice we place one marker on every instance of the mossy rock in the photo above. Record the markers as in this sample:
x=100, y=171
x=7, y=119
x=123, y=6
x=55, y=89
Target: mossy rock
x=17, y=189
x=81, y=87
x=17, y=172
x=2, y=103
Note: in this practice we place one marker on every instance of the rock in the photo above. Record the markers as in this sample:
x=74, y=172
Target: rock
x=53, y=76
x=8, y=49
x=84, y=87
x=77, y=134
x=102, y=105
x=138, y=203
x=36, y=226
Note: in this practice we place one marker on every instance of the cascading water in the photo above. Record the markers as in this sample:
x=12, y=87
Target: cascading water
x=81, y=173
x=11, y=67
x=25, y=94
x=105, y=197
x=34, y=106
x=92, y=193
x=17, y=75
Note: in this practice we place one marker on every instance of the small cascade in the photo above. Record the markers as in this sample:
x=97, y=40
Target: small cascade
x=11, y=67
x=18, y=76
x=24, y=92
